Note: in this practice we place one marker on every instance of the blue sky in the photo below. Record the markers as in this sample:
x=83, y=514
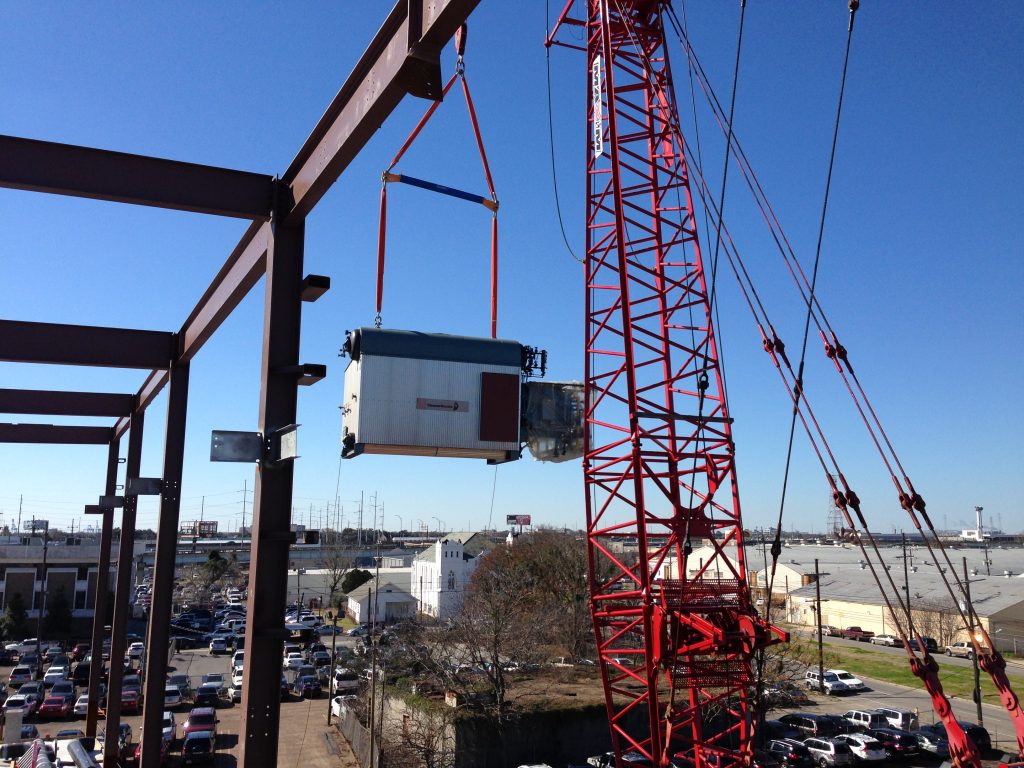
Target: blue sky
x=921, y=268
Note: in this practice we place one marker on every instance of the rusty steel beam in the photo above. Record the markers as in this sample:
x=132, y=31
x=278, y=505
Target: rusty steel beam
x=241, y=271
x=150, y=388
x=163, y=568
x=272, y=502
x=51, y=403
x=58, y=344
x=403, y=57
x=99, y=614
x=55, y=434
x=122, y=590
x=65, y=169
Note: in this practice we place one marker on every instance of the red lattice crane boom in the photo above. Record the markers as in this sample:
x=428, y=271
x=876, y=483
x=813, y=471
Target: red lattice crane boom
x=676, y=635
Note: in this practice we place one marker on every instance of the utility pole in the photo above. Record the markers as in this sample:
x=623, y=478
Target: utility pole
x=974, y=641
x=42, y=591
x=20, y=499
x=821, y=649
x=245, y=496
x=906, y=590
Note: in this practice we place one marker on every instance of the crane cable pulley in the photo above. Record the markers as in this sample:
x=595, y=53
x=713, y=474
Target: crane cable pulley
x=489, y=201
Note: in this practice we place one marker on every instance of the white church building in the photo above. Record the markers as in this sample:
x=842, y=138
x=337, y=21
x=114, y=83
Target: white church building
x=441, y=572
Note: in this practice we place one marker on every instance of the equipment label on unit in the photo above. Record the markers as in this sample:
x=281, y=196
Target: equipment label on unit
x=595, y=87
x=452, y=406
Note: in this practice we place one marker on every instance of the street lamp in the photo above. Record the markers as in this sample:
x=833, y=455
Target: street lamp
x=401, y=525
x=438, y=525
x=333, y=619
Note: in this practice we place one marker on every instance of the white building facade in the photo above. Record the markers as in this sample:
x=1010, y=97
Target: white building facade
x=441, y=573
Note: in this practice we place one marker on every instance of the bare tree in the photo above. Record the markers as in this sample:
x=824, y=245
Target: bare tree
x=426, y=739
x=938, y=619
x=336, y=562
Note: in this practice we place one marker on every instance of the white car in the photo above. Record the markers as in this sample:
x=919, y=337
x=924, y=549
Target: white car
x=82, y=705
x=172, y=697
x=136, y=650
x=215, y=678
x=218, y=645
x=344, y=680
x=236, y=677
x=294, y=661
x=339, y=704
x=170, y=732
x=55, y=675
x=235, y=692
x=852, y=683
x=237, y=659
x=864, y=747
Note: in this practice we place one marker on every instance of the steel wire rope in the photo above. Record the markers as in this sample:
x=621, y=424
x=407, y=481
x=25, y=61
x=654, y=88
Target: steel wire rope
x=777, y=543
x=551, y=135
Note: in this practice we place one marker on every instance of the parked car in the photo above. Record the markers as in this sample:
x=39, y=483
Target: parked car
x=853, y=684
x=962, y=649
x=776, y=729
x=65, y=688
x=286, y=688
x=867, y=718
x=976, y=733
x=307, y=686
x=830, y=681
x=790, y=752
x=902, y=719
x=831, y=631
x=235, y=692
x=218, y=645
x=828, y=753
x=131, y=701
x=79, y=651
x=182, y=683
x=215, y=678
x=293, y=661
x=19, y=676
x=27, y=704
x=207, y=695
x=811, y=725
x=54, y=707
x=237, y=659
x=897, y=744
x=933, y=741
x=172, y=697
x=856, y=633
x=170, y=731
x=890, y=640
x=344, y=680
x=340, y=704
x=864, y=748
x=929, y=643
x=198, y=747
x=201, y=719
x=358, y=631
x=82, y=705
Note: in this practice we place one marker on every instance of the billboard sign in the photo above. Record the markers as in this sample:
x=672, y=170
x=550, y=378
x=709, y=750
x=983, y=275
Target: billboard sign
x=517, y=520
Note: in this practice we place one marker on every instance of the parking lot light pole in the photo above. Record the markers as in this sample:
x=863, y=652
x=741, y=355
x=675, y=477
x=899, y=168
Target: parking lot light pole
x=334, y=645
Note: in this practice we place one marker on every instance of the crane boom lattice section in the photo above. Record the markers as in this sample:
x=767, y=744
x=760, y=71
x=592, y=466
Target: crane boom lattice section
x=676, y=638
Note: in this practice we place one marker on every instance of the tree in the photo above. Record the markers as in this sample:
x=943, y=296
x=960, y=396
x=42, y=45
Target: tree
x=15, y=615
x=938, y=619
x=215, y=569
x=426, y=739
x=336, y=562
x=355, y=579
x=57, y=623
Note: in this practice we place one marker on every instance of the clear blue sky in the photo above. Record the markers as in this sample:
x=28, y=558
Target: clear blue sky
x=922, y=265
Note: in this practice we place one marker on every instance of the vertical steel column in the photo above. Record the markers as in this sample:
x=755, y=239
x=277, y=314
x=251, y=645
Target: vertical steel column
x=99, y=616
x=163, y=567
x=118, y=627
x=271, y=522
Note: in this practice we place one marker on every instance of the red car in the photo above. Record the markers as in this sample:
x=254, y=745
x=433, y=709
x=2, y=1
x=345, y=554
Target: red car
x=130, y=702
x=79, y=651
x=165, y=751
x=56, y=706
x=201, y=719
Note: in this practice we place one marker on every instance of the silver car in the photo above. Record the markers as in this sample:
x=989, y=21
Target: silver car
x=829, y=753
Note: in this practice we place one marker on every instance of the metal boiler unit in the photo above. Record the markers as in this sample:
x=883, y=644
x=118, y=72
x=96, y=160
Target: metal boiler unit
x=431, y=394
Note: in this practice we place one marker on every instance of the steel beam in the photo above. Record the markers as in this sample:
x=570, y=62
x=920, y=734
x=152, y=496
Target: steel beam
x=271, y=521
x=49, y=403
x=99, y=616
x=54, y=343
x=122, y=590
x=54, y=434
x=65, y=169
x=163, y=568
x=403, y=57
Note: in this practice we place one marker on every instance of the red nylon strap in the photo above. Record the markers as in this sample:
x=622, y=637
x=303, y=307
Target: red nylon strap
x=382, y=228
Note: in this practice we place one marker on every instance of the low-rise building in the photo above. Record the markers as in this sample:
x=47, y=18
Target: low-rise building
x=441, y=572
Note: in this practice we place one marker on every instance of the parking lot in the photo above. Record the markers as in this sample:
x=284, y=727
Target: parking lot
x=304, y=737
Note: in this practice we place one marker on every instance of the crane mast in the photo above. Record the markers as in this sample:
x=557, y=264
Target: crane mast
x=676, y=633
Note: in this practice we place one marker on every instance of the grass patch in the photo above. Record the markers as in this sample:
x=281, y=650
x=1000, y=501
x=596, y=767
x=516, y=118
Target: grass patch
x=891, y=668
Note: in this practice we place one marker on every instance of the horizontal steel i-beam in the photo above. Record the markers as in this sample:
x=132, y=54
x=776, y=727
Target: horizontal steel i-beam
x=54, y=434
x=57, y=344
x=66, y=169
x=50, y=403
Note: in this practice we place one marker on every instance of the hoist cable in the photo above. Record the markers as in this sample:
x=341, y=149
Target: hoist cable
x=551, y=138
x=777, y=544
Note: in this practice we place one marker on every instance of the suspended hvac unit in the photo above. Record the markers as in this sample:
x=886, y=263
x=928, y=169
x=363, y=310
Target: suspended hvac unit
x=430, y=394
x=553, y=420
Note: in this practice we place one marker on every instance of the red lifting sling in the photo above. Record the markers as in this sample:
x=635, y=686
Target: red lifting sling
x=491, y=203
